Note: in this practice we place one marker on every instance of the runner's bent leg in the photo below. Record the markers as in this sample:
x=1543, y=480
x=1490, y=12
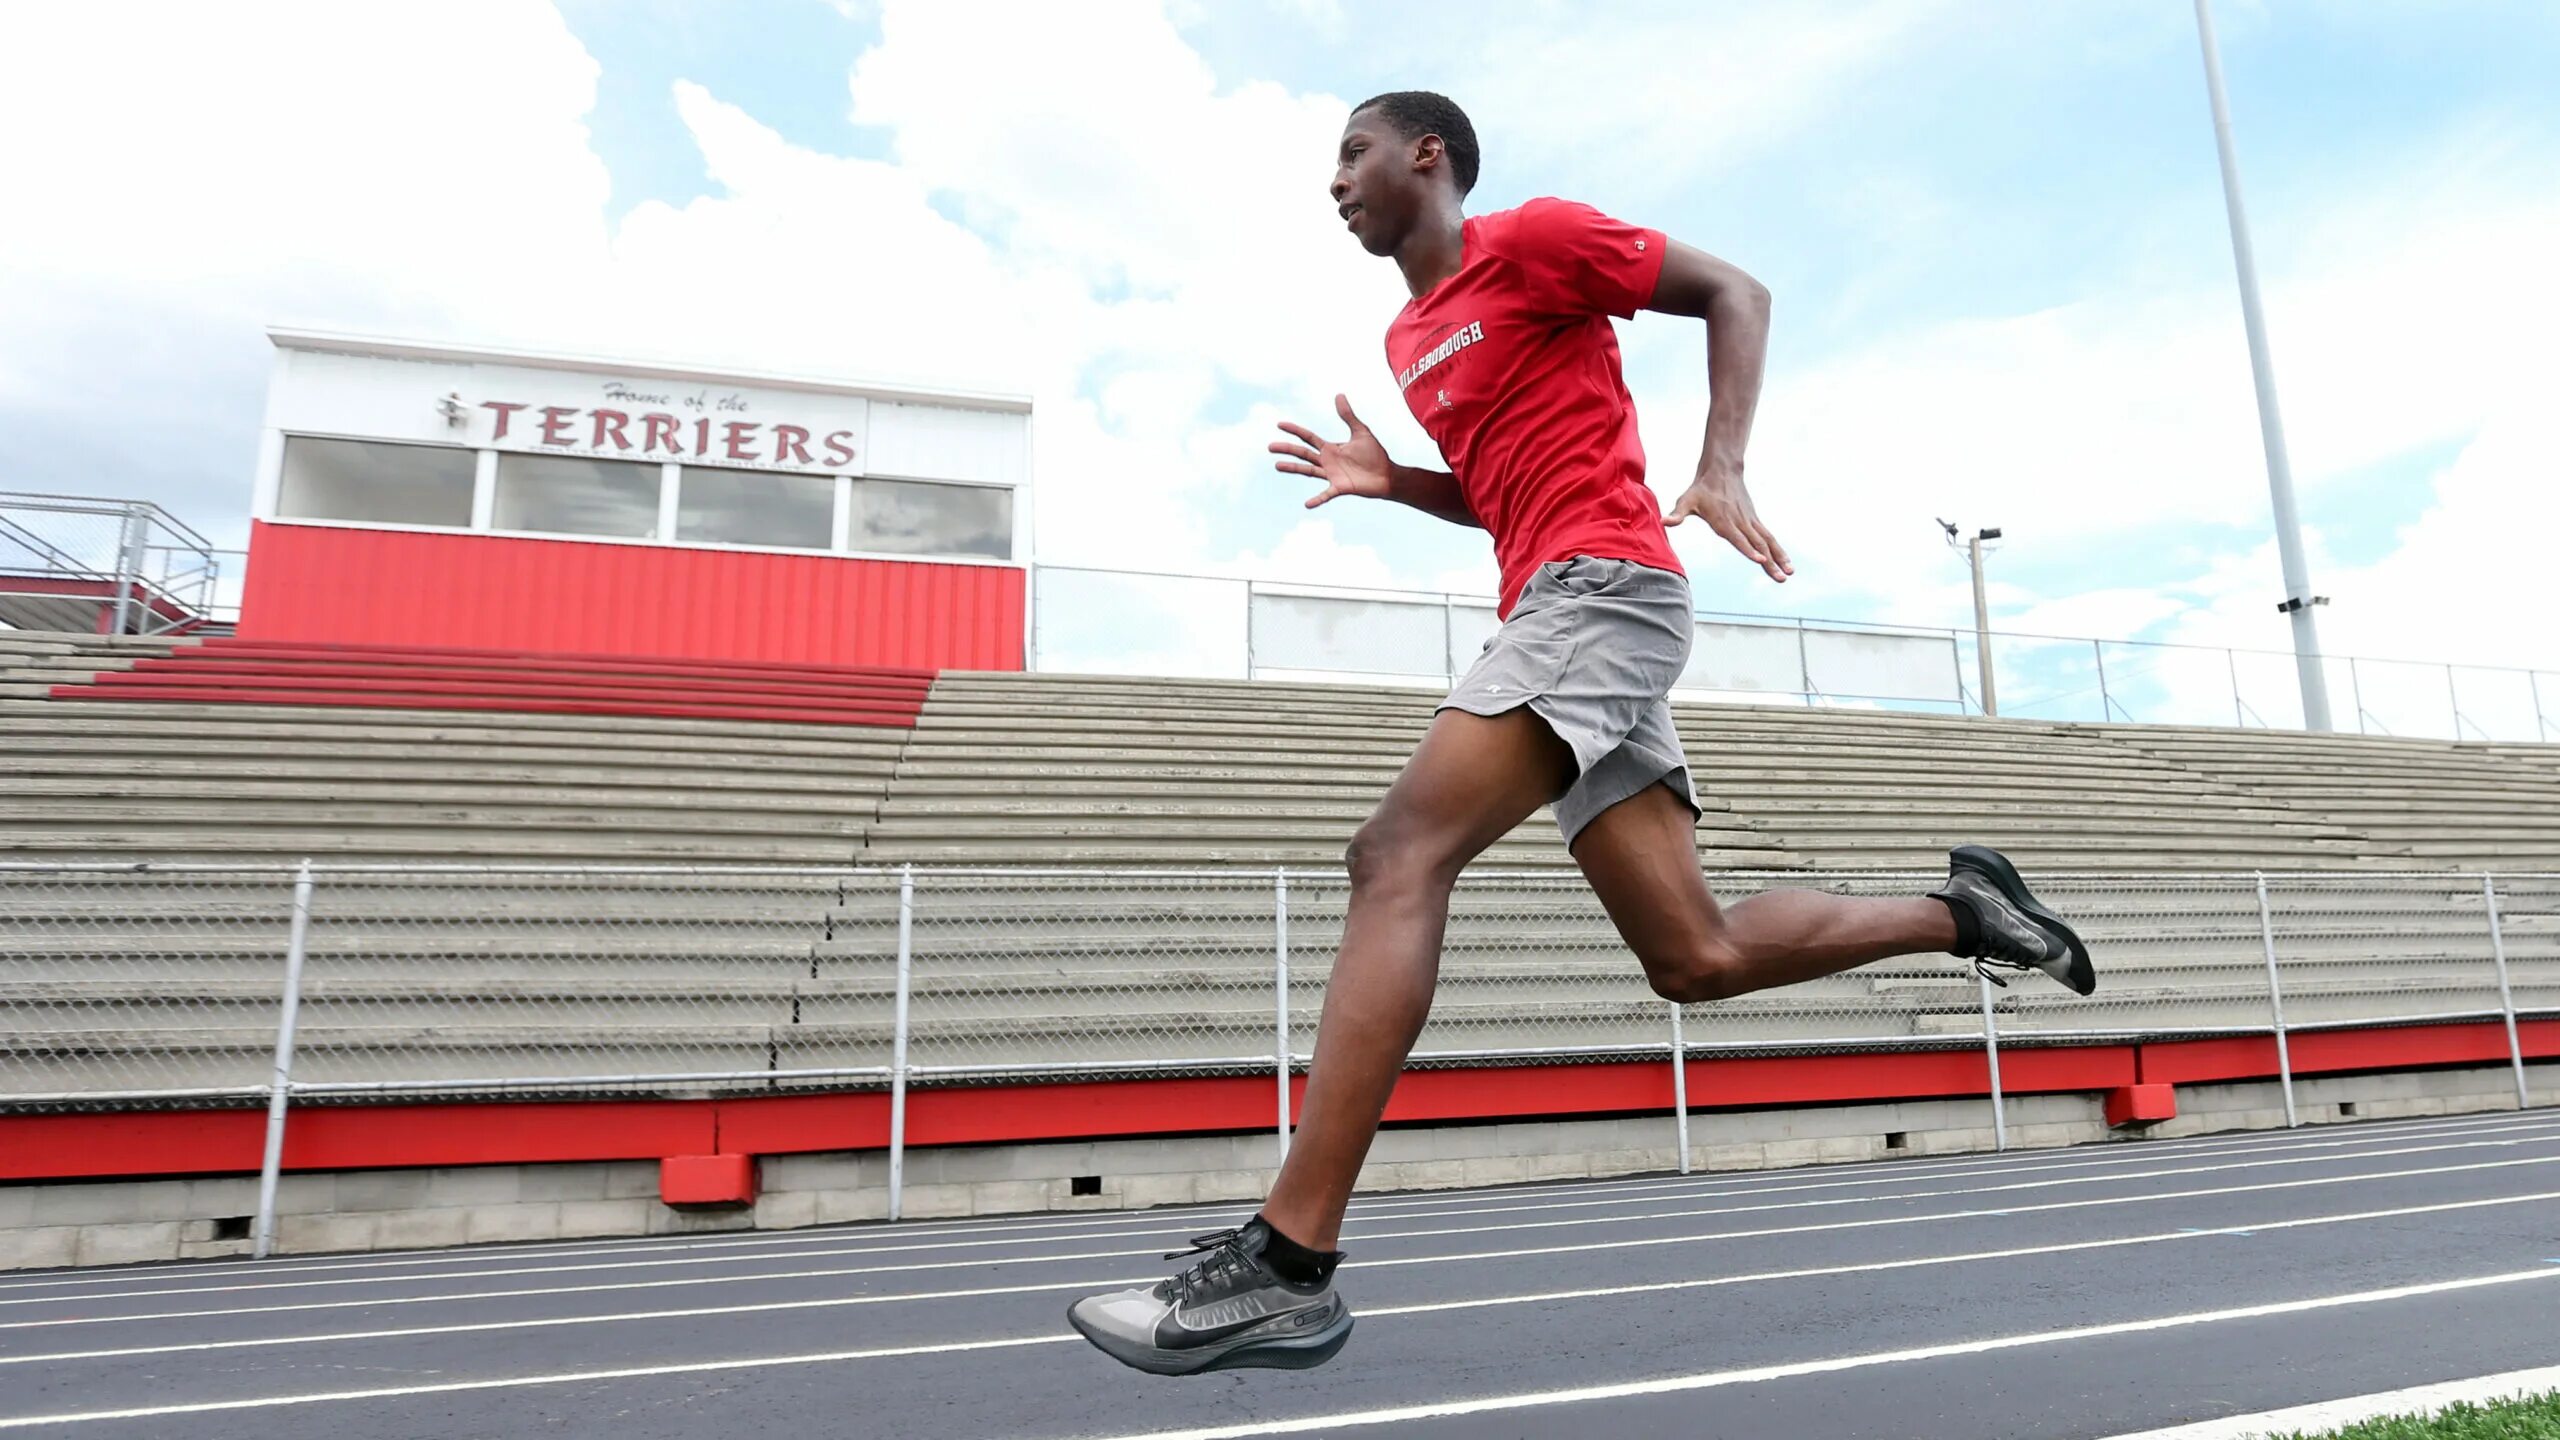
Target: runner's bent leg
x=1641, y=857
x=1471, y=780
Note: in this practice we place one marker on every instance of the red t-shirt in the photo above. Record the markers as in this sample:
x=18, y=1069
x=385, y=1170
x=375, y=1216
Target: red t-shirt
x=1511, y=365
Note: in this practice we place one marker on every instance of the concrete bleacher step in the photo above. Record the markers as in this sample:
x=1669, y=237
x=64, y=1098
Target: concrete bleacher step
x=1277, y=817
x=2084, y=837
x=1138, y=755
x=2373, y=791
x=1165, y=852
x=917, y=784
x=944, y=725
x=406, y=944
x=1333, y=768
x=34, y=814
x=1919, y=787
x=1880, y=766
x=2365, y=802
x=261, y=797
x=218, y=843
x=61, y=772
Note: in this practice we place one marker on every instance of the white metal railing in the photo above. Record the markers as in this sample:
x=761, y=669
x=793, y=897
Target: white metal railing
x=1097, y=620
x=148, y=984
x=126, y=567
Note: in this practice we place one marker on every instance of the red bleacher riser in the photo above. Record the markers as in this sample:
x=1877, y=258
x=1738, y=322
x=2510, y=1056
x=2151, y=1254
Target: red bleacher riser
x=513, y=690
x=232, y=645
x=354, y=663
x=396, y=677
x=387, y=675
x=897, y=719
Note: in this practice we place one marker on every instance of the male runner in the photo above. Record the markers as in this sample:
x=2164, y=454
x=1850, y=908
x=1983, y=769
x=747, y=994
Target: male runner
x=1507, y=357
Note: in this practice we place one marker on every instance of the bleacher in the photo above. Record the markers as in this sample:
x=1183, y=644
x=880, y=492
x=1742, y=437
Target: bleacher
x=233, y=752
x=124, y=751
x=228, y=749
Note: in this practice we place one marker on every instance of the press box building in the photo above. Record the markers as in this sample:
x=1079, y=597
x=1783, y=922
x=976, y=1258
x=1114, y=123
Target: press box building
x=480, y=498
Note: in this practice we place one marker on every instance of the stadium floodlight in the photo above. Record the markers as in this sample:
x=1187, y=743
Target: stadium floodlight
x=1981, y=606
x=2298, y=599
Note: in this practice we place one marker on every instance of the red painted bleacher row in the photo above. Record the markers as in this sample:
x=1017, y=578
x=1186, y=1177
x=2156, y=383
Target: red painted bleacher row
x=252, y=672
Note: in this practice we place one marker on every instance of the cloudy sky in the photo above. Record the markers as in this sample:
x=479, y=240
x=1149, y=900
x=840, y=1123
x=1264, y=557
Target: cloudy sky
x=1994, y=231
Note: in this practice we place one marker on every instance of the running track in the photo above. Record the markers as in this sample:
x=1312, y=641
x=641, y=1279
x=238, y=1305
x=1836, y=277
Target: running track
x=2077, y=1293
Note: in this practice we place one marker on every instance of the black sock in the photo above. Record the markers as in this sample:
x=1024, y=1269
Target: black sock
x=1294, y=1262
x=1968, y=929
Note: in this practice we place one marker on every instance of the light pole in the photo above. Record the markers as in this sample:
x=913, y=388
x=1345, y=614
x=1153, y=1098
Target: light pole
x=1981, y=609
x=2298, y=599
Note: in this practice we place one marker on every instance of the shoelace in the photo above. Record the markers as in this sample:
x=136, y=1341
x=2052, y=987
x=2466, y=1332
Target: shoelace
x=1982, y=967
x=1226, y=1261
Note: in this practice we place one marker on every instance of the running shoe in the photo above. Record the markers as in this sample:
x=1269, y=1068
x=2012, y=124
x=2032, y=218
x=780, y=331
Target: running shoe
x=1226, y=1310
x=2012, y=931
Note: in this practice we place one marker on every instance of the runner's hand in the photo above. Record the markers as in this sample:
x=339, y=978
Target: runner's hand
x=1721, y=501
x=1356, y=466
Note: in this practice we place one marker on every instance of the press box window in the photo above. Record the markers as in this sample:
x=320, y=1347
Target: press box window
x=916, y=517
x=564, y=495
x=756, y=507
x=373, y=481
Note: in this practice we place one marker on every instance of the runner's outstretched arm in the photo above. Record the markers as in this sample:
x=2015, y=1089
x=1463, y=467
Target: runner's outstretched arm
x=1359, y=466
x=1736, y=309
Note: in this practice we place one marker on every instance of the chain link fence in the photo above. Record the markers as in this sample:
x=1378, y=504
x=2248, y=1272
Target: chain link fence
x=132, y=985
x=146, y=985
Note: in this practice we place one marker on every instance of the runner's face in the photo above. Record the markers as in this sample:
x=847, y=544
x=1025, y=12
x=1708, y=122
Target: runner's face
x=1374, y=188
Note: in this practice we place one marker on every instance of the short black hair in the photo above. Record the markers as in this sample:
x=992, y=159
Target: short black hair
x=1416, y=113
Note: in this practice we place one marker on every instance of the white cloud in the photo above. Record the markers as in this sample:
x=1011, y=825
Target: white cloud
x=2464, y=586
x=1604, y=101
x=2071, y=426
x=2470, y=580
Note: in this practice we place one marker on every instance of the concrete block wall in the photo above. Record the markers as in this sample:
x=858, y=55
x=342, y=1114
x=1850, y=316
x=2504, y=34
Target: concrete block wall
x=123, y=1222
x=2321, y=1100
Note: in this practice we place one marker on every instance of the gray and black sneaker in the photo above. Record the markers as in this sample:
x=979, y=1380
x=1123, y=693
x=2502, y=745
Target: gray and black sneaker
x=2009, y=928
x=1228, y=1310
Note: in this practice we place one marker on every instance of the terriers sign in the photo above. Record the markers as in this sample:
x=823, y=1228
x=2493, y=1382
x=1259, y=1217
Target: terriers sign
x=769, y=430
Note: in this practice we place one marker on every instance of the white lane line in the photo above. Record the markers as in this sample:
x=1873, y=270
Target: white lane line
x=1411, y=1205
x=837, y=1272
x=1073, y=1256
x=145, y=1412
x=1436, y=1410
x=1715, y=1379
x=1887, y=1221
x=1431, y=1307
x=2355, y=1409
x=834, y=1252
x=1765, y=1183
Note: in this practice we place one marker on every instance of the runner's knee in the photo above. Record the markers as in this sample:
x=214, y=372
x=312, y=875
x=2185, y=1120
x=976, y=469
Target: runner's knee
x=1704, y=968
x=1388, y=851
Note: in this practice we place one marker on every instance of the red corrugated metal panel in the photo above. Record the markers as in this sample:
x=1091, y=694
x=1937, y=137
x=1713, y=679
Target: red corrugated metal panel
x=389, y=587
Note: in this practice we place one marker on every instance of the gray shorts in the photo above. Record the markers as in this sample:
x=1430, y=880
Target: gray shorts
x=1593, y=647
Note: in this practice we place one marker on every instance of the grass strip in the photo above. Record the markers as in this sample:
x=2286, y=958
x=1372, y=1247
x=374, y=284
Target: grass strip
x=2529, y=1418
